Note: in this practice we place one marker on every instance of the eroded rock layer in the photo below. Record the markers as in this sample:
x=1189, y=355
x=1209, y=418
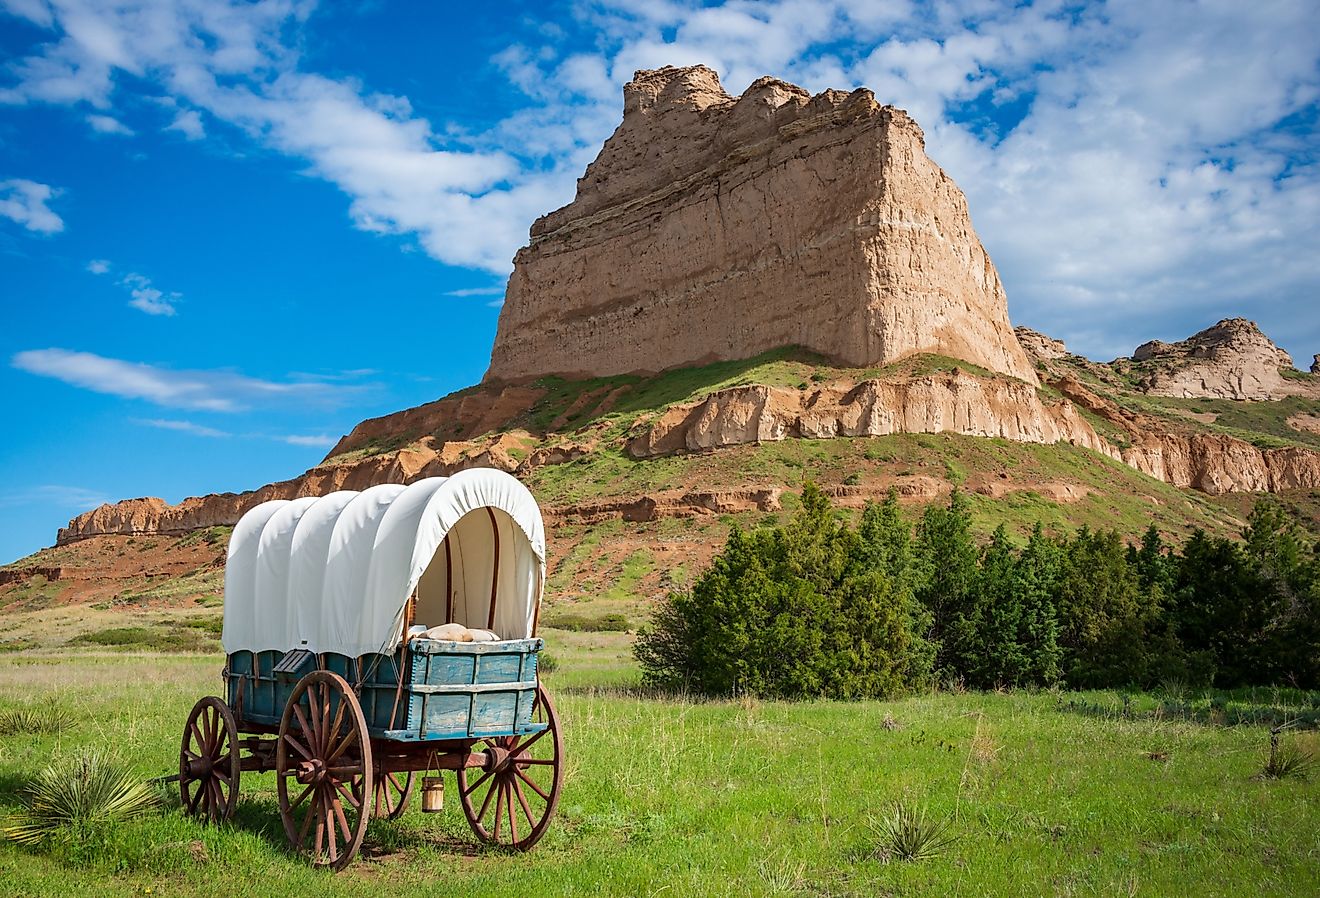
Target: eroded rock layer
x=951, y=402
x=944, y=403
x=715, y=227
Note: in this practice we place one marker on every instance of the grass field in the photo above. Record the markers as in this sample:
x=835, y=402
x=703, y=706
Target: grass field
x=1046, y=795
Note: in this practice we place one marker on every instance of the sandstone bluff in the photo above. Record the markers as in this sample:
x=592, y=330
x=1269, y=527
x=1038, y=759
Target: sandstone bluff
x=1231, y=360
x=717, y=227
x=714, y=228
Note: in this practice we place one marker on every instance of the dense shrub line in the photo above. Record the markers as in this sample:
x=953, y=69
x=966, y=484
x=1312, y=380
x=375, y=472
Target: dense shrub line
x=817, y=607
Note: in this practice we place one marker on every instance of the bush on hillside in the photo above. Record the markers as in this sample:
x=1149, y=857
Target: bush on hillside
x=803, y=610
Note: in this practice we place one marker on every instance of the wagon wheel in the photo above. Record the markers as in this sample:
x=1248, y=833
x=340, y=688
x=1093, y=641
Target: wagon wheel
x=512, y=801
x=393, y=790
x=209, y=761
x=323, y=761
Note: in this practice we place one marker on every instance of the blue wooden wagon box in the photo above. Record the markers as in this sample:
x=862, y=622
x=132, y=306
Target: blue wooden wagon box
x=450, y=690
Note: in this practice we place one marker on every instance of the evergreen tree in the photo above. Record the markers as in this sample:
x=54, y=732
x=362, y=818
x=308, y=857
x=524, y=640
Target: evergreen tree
x=796, y=611
x=1036, y=582
x=1225, y=607
x=948, y=559
x=1105, y=616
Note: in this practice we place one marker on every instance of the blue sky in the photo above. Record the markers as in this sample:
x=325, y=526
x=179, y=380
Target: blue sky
x=229, y=231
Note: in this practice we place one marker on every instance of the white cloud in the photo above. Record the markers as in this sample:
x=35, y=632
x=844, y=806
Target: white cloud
x=476, y=291
x=188, y=123
x=147, y=298
x=98, y=266
x=60, y=496
x=105, y=124
x=152, y=301
x=182, y=426
x=318, y=441
x=467, y=204
x=25, y=201
x=212, y=390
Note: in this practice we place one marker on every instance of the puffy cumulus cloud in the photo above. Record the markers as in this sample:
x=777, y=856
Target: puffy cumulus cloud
x=188, y=122
x=24, y=201
x=213, y=390
x=231, y=61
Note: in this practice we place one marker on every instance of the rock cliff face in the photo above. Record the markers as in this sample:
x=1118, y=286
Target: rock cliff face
x=946, y=403
x=1209, y=462
x=1038, y=346
x=1231, y=360
x=715, y=227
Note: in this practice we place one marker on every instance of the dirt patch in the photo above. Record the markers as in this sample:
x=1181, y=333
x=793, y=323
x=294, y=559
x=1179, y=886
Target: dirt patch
x=1202, y=417
x=1306, y=423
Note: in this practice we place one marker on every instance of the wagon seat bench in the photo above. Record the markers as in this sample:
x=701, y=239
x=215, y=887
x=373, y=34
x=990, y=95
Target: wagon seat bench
x=324, y=686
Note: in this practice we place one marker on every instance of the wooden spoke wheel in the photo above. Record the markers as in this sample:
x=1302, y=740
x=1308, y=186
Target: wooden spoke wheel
x=510, y=803
x=392, y=793
x=323, y=764
x=209, y=761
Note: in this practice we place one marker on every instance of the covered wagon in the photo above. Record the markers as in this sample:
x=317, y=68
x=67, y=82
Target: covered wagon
x=333, y=682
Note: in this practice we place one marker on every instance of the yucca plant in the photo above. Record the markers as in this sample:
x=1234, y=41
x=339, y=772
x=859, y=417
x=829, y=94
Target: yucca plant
x=15, y=721
x=86, y=789
x=907, y=833
x=1287, y=759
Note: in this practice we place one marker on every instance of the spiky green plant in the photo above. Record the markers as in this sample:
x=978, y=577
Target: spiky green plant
x=1287, y=759
x=87, y=789
x=908, y=834
x=15, y=721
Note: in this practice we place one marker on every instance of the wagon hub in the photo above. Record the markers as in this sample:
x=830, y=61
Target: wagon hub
x=309, y=772
x=496, y=758
x=199, y=768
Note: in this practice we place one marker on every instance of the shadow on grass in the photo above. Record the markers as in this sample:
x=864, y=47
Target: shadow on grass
x=259, y=814
x=1217, y=710
x=12, y=787
x=635, y=691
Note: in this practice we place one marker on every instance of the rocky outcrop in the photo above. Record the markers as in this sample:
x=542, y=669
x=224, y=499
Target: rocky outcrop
x=944, y=403
x=1232, y=360
x=670, y=504
x=1038, y=346
x=426, y=458
x=20, y=574
x=1315, y=364
x=460, y=416
x=1209, y=462
x=715, y=227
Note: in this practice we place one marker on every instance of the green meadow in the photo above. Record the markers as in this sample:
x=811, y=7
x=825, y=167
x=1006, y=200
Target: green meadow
x=1042, y=794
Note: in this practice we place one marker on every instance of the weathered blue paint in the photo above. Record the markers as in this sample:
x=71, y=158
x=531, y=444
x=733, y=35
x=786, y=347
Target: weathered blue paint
x=451, y=690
